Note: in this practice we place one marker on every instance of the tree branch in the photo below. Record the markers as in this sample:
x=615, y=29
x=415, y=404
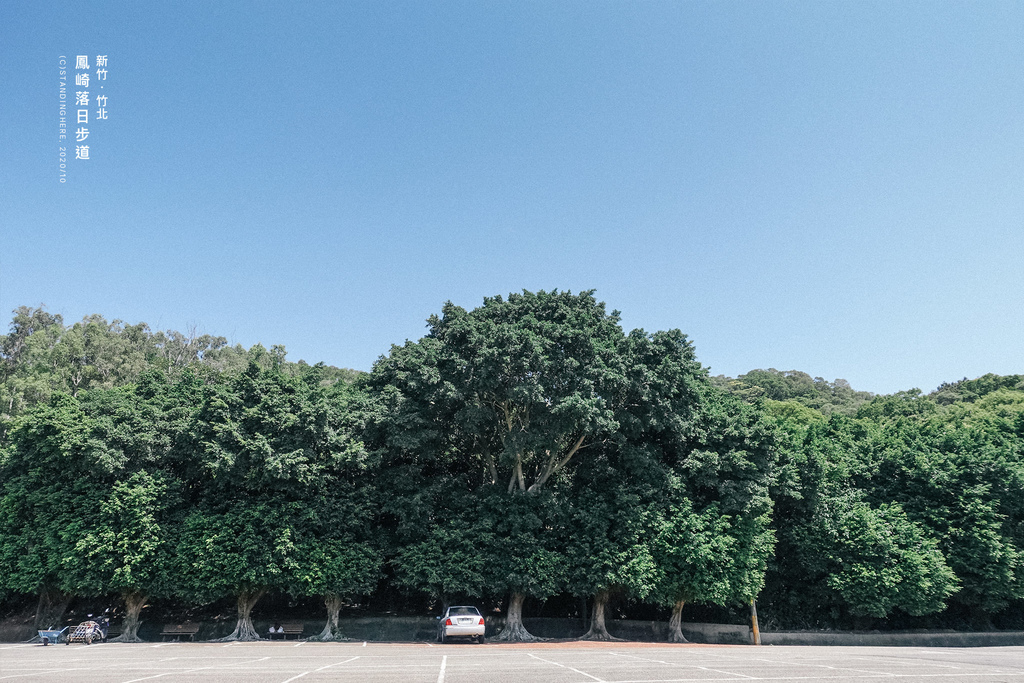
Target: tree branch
x=549, y=470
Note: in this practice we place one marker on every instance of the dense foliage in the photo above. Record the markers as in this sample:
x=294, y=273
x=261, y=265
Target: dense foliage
x=524, y=451
x=913, y=505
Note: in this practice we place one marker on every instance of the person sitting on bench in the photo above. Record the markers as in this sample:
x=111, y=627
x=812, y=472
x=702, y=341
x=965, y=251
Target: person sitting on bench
x=277, y=631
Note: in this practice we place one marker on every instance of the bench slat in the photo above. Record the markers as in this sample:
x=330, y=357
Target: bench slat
x=180, y=630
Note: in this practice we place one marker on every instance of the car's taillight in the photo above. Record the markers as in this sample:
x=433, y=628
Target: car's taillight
x=481, y=621
x=447, y=622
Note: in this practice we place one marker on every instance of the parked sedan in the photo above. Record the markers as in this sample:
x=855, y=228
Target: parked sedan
x=461, y=622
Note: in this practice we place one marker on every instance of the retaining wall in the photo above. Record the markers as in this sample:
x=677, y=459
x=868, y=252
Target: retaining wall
x=895, y=639
x=407, y=629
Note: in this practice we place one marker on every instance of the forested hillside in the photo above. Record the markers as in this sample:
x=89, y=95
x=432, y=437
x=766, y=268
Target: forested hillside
x=528, y=452
x=799, y=387
x=41, y=356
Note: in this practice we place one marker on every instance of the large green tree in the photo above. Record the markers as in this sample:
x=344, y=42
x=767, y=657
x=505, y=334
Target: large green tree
x=608, y=545
x=92, y=494
x=520, y=396
x=709, y=461
x=509, y=395
x=695, y=554
x=49, y=476
x=340, y=554
x=266, y=444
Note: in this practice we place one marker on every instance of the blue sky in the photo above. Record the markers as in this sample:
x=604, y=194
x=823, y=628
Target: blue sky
x=830, y=187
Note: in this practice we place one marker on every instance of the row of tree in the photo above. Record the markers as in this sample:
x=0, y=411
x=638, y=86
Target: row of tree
x=911, y=505
x=524, y=449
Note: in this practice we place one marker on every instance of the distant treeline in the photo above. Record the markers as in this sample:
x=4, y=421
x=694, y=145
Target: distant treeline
x=42, y=356
x=527, y=450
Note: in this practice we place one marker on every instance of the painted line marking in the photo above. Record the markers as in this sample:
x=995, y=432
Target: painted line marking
x=688, y=666
x=835, y=668
x=818, y=678
x=581, y=673
x=313, y=671
x=919, y=662
x=364, y=643
x=301, y=642
x=41, y=673
x=201, y=668
x=444, y=663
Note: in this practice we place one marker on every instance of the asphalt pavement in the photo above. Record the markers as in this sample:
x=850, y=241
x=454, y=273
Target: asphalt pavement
x=573, y=662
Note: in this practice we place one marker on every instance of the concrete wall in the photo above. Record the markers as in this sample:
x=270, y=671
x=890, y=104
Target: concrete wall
x=651, y=631
x=382, y=629
x=406, y=629
x=895, y=639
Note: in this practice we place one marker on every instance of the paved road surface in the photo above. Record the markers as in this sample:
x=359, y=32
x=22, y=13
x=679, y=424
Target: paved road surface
x=284, y=662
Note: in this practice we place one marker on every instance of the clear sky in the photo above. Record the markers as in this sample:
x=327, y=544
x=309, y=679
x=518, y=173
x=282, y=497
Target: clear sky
x=834, y=187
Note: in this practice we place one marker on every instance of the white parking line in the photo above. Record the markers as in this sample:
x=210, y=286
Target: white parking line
x=581, y=673
x=687, y=666
x=313, y=671
x=813, y=679
x=201, y=668
x=834, y=668
x=907, y=659
x=444, y=662
x=40, y=673
x=301, y=642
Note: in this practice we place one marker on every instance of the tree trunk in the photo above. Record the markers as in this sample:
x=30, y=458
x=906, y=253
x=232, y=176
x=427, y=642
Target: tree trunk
x=51, y=607
x=331, y=630
x=514, y=631
x=598, y=630
x=675, y=624
x=244, y=630
x=133, y=602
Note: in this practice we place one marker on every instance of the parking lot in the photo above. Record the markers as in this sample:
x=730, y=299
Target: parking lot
x=572, y=662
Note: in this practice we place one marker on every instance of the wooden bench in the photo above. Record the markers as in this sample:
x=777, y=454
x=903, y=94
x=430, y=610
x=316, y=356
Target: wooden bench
x=178, y=630
x=293, y=628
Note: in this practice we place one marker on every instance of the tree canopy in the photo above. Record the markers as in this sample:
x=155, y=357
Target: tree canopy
x=528, y=451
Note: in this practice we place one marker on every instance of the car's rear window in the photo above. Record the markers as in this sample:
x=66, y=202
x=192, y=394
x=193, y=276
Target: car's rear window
x=463, y=610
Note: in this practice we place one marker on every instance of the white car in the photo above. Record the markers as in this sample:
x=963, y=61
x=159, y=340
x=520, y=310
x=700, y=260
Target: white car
x=461, y=622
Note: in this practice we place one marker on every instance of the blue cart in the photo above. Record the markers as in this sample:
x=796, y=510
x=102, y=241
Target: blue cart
x=52, y=636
